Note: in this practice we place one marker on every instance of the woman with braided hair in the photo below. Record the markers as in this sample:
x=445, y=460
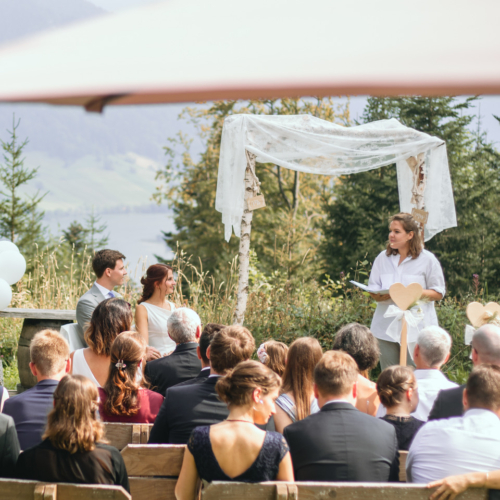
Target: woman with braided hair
x=398, y=392
x=124, y=397
x=154, y=309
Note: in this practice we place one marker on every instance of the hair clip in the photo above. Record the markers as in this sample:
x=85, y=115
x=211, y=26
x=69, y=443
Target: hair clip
x=261, y=353
x=120, y=365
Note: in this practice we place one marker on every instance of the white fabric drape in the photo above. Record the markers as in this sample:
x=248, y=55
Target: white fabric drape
x=309, y=144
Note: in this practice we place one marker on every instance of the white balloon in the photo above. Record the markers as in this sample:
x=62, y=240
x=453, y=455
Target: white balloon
x=12, y=266
x=5, y=294
x=8, y=246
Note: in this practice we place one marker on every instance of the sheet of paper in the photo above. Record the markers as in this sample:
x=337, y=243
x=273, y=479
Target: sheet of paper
x=368, y=289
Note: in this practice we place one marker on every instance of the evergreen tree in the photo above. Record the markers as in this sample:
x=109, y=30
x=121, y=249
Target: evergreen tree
x=76, y=236
x=20, y=217
x=356, y=224
x=96, y=239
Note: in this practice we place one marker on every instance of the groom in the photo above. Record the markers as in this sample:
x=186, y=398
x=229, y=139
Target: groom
x=110, y=271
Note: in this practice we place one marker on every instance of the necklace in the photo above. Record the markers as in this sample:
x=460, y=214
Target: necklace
x=237, y=420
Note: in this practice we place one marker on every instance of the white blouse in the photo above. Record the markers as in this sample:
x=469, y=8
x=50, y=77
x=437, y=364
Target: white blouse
x=425, y=269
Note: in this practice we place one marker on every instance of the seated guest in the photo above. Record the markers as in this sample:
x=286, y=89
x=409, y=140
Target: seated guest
x=449, y=487
x=184, y=327
x=273, y=354
x=397, y=390
x=72, y=450
x=9, y=446
x=462, y=444
x=49, y=354
x=485, y=349
x=123, y=399
x=187, y=407
x=431, y=353
x=206, y=337
x=357, y=341
x=245, y=453
x=110, y=271
x=297, y=399
x=153, y=310
x=340, y=443
x=110, y=318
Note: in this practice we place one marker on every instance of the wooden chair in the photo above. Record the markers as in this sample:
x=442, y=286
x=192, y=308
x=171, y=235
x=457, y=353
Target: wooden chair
x=33, y=490
x=153, y=470
x=121, y=435
x=323, y=491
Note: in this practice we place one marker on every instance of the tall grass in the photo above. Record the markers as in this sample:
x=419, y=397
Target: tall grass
x=277, y=308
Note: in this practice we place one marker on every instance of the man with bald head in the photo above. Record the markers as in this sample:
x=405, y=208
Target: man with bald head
x=485, y=349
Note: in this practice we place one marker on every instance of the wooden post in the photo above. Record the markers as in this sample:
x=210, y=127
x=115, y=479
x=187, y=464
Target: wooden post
x=404, y=342
x=244, y=252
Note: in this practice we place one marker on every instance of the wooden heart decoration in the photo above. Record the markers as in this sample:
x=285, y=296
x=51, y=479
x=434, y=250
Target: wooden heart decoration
x=404, y=296
x=479, y=315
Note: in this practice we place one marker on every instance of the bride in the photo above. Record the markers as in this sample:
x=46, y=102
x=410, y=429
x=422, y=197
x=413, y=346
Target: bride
x=153, y=310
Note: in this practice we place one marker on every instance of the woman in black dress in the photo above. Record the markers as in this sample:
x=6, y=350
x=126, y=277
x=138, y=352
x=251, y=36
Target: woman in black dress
x=398, y=392
x=72, y=450
x=235, y=449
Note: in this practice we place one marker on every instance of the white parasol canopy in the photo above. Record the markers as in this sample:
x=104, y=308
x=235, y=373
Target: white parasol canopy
x=188, y=50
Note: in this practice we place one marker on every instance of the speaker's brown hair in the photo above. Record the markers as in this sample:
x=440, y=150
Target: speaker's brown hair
x=409, y=224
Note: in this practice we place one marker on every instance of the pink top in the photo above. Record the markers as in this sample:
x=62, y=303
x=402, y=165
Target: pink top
x=149, y=405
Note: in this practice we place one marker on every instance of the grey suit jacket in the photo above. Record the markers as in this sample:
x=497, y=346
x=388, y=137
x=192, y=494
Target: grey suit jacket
x=85, y=307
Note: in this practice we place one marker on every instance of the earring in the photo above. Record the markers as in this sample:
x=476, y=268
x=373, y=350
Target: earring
x=261, y=402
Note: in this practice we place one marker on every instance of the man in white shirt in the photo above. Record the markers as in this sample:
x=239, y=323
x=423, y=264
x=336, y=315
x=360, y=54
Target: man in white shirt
x=464, y=444
x=110, y=271
x=431, y=352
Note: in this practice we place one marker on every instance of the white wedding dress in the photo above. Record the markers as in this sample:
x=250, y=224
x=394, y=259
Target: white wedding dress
x=157, y=327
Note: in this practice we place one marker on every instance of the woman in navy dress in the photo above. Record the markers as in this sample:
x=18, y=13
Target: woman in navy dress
x=236, y=449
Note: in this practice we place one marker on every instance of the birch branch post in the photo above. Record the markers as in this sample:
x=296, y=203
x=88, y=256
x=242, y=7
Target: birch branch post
x=251, y=185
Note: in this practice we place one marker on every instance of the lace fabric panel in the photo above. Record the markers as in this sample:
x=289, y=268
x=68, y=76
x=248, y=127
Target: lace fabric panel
x=265, y=467
x=308, y=144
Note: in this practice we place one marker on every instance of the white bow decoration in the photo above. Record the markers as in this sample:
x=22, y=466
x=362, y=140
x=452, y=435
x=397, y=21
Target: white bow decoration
x=469, y=333
x=413, y=317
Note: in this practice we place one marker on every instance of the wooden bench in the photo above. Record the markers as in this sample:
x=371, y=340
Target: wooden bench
x=153, y=470
x=325, y=491
x=33, y=490
x=403, y=455
x=121, y=435
x=35, y=320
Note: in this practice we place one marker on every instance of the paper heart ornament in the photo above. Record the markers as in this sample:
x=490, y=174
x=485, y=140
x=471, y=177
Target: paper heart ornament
x=479, y=315
x=404, y=296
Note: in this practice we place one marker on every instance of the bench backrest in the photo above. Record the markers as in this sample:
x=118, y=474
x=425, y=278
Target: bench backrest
x=153, y=470
x=33, y=490
x=312, y=491
x=121, y=435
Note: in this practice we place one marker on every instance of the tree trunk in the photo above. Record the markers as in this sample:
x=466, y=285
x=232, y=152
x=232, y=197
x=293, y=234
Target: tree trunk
x=244, y=252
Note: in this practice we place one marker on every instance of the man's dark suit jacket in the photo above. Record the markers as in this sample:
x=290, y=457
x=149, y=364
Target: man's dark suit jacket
x=9, y=446
x=187, y=407
x=183, y=364
x=448, y=404
x=339, y=443
x=202, y=376
x=29, y=411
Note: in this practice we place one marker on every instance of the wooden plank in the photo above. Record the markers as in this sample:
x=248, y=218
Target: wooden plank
x=152, y=488
x=62, y=314
x=120, y=435
x=293, y=492
x=11, y=393
x=50, y=492
x=145, y=430
x=25, y=490
x=136, y=434
x=39, y=491
x=229, y=491
x=403, y=455
x=67, y=491
x=153, y=459
x=338, y=491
